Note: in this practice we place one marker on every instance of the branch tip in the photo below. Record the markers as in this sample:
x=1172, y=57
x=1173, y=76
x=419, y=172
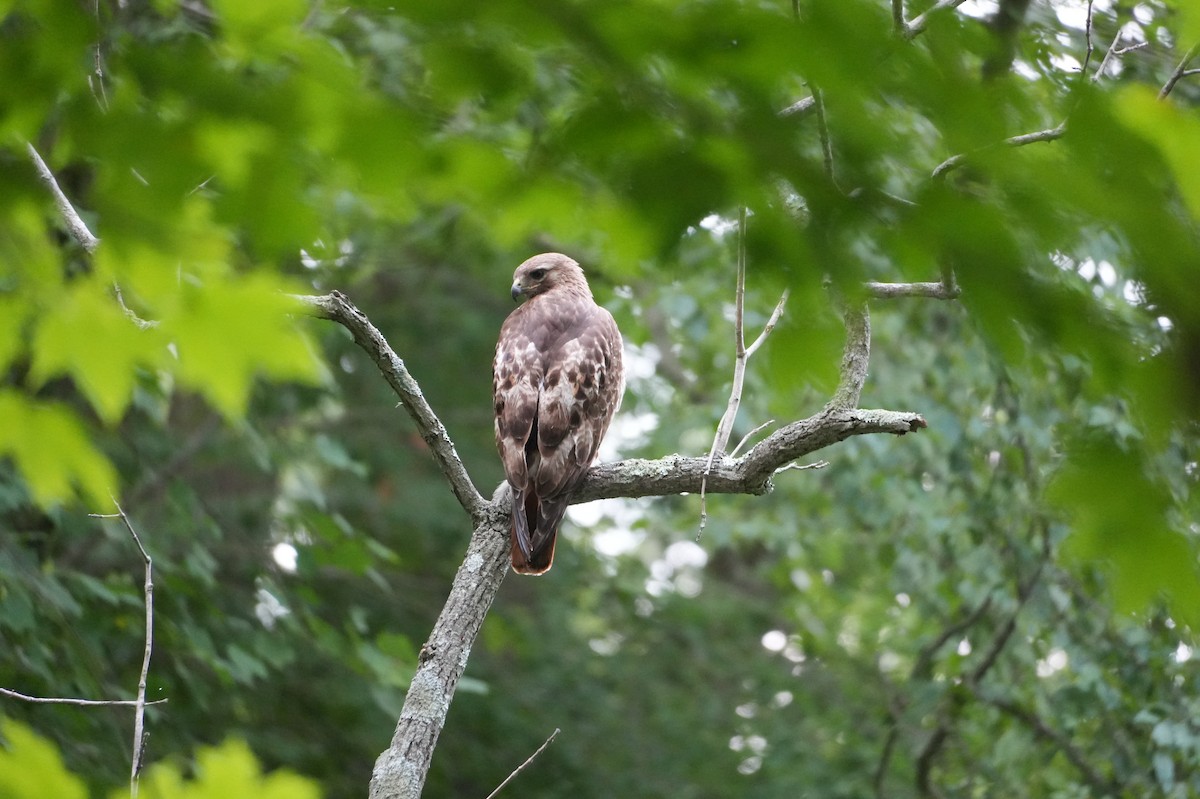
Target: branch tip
x=336, y=307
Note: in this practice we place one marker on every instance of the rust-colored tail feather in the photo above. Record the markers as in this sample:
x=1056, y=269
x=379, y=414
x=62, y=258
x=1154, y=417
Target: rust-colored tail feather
x=537, y=562
x=533, y=549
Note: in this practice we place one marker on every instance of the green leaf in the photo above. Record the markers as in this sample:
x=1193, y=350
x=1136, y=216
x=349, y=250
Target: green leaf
x=1172, y=130
x=32, y=768
x=14, y=313
x=1119, y=515
x=86, y=336
x=1189, y=22
x=227, y=333
x=222, y=772
x=264, y=28
x=53, y=452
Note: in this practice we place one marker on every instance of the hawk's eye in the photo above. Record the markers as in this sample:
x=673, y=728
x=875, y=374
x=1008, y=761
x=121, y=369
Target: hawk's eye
x=538, y=274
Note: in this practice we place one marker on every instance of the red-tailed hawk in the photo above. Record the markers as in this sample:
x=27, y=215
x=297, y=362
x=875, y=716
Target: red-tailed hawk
x=556, y=382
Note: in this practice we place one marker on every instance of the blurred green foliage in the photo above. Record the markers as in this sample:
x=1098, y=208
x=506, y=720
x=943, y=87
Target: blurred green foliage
x=30, y=768
x=1004, y=604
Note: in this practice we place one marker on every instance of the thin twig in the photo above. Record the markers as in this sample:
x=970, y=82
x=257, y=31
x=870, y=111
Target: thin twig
x=144, y=324
x=139, y=714
x=898, y=24
x=1132, y=47
x=1102, y=785
x=1108, y=54
x=885, y=757
x=799, y=468
x=521, y=767
x=1050, y=134
x=955, y=161
x=748, y=436
x=799, y=108
x=890, y=291
x=1178, y=73
x=742, y=354
x=57, y=700
x=769, y=326
x=725, y=426
x=79, y=231
x=823, y=132
x=1087, y=38
x=924, y=664
x=1004, y=634
x=921, y=670
x=921, y=21
x=98, y=66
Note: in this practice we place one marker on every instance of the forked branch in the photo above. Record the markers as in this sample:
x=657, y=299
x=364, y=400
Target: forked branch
x=401, y=769
x=1179, y=72
x=139, y=713
x=955, y=161
x=742, y=354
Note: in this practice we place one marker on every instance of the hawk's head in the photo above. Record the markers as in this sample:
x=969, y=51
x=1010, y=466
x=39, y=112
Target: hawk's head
x=550, y=270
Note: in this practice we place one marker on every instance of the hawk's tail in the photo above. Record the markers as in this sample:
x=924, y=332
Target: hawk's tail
x=533, y=549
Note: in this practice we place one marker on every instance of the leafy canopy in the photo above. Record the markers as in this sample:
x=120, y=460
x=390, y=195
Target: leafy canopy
x=230, y=154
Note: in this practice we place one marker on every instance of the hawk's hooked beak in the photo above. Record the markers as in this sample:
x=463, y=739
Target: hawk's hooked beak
x=517, y=291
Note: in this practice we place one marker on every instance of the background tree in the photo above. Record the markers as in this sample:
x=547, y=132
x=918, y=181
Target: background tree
x=922, y=617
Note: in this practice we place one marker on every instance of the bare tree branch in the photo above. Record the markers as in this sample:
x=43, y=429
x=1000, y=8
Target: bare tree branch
x=139, y=704
x=957, y=699
x=955, y=161
x=521, y=767
x=1108, y=54
x=921, y=21
x=898, y=24
x=1179, y=72
x=741, y=356
x=337, y=308
x=139, y=713
x=800, y=107
x=79, y=231
x=823, y=133
x=923, y=667
x=922, y=670
x=749, y=474
x=891, y=291
x=56, y=700
x=1113, y=49
x=725, y=427
x=770, y=325
x=1139, y=46
x=401, y=769
x=733, y=453
x=1100, y=784
x=855, y=356
x=1087, y=38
